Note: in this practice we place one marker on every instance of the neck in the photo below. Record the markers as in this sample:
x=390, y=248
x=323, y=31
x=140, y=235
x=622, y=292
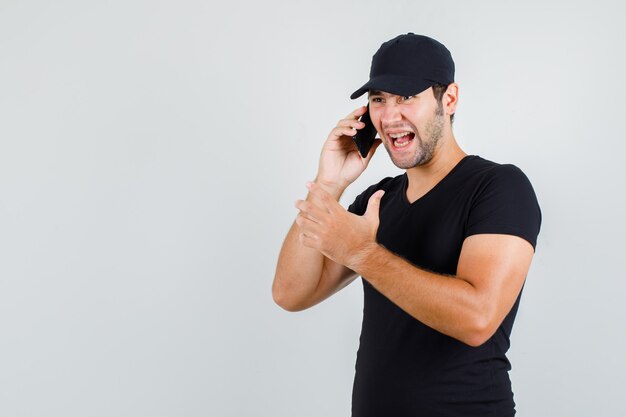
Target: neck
x=424, y=177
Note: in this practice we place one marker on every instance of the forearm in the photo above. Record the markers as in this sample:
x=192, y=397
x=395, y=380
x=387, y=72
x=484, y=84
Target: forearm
x=470, y=306
x=297, y=282
x=448, y=304
x=304, y=275
x=298, y=273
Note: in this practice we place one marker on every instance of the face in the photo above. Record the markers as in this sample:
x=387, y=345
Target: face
x=410, y=127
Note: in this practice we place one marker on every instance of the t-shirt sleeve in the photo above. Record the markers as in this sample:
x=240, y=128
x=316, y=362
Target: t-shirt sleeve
x=505, y=204
x=359, y=205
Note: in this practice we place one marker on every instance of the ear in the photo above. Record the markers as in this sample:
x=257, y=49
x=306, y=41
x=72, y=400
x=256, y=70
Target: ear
x=450, y=99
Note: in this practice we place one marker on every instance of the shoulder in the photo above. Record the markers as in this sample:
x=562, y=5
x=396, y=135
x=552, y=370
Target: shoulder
x=503, y=200
x=486, y=174
x=506, y=178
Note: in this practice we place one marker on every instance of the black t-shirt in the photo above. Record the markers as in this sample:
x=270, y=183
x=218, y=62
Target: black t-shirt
x=403, y=367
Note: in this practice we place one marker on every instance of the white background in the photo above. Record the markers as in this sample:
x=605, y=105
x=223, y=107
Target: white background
x=151, y=153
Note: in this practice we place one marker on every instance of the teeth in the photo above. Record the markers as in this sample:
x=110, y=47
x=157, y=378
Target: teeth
x=396, y=136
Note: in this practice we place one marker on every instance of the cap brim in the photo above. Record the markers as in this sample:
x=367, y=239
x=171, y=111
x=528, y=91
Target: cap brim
x=394, y=84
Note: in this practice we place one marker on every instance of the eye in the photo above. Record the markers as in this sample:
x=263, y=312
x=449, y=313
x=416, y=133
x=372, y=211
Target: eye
x=406, y=98
x=376, y=99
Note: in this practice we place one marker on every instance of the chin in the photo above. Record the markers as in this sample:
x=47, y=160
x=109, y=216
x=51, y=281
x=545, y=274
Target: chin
x=415, y=161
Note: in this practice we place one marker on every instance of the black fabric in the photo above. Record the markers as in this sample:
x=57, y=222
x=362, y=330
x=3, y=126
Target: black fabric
x=407, y=65
x=403, y=367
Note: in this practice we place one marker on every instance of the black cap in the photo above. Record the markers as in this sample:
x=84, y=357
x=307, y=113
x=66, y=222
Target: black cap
x=408, y=65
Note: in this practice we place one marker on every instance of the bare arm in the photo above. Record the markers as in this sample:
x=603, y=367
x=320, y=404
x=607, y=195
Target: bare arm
x=304, y=276
x=469, y=306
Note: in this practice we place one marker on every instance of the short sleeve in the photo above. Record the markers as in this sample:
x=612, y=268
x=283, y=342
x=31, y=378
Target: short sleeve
x=505, y=204
x=359, y=205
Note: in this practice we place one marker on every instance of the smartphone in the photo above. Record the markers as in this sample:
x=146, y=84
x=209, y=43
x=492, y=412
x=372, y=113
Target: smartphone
x=364, y=138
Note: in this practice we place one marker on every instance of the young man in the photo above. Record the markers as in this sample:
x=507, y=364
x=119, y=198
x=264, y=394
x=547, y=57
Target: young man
x=443, y=249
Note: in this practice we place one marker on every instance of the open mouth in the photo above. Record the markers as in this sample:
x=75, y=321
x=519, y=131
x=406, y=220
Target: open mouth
x=401, y=139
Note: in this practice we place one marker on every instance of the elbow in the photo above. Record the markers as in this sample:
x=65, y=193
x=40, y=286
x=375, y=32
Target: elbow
x=476, y=339
x=479, y=332
x=281, y=298
x=287, y=305
x=284, y=303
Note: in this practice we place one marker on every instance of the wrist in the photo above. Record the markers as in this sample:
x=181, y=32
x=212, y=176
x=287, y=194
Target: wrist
x=330, y=187
x=361, y=261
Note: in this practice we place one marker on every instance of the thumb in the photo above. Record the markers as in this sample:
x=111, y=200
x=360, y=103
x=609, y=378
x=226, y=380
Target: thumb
x=373, y=205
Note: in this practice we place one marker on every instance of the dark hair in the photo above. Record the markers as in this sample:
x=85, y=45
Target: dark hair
x=438, y=91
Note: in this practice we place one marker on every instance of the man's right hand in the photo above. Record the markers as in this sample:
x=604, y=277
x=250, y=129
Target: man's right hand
x=304, y=276
x=340, y=161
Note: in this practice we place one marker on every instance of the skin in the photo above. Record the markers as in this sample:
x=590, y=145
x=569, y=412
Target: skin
x=426, y=138
x=327, y=247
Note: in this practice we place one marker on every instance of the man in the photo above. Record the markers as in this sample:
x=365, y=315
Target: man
x=443, y=249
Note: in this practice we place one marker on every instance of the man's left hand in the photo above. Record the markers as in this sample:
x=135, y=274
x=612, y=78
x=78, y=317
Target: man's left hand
x=338, y=234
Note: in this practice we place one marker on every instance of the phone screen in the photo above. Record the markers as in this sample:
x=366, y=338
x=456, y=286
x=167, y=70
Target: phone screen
x=364, y=138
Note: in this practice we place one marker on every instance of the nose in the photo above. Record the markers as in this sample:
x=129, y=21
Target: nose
x=390, y=114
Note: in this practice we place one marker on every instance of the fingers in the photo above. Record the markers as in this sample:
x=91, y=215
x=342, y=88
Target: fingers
x=349, y=125
x=309, y=223
x=316, y=216
x=341, y=131
x=356, y=113
x=317, y=208
x=311, y=211
x=307, y=226
x=308, y=240
x=322, y=198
